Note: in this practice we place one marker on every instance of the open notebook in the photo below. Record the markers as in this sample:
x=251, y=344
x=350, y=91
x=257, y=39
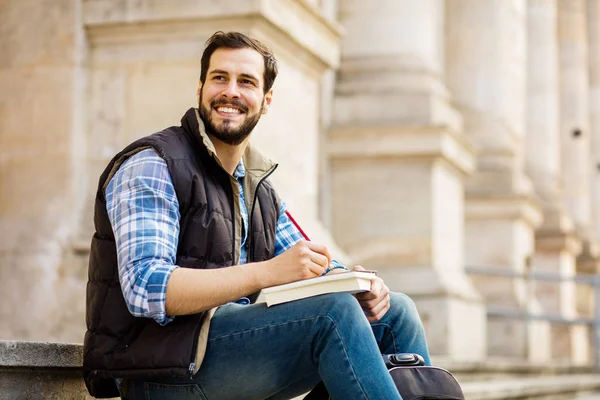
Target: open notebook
x=348, y=281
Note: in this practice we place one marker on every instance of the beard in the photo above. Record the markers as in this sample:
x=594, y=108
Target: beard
x=226, y=133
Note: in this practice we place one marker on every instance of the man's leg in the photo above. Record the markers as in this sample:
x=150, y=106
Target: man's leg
x=255, y=352
x=400, y=330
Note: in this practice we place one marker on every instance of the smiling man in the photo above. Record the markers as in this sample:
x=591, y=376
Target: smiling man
x=188, y=231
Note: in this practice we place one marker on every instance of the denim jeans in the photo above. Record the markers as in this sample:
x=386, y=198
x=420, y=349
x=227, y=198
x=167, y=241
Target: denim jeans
x=255, y=352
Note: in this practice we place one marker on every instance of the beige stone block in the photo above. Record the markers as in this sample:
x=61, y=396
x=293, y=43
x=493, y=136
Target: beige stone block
x=581, y=345
x=34, y=111
x=486, y=78
x=539, y=337
x=507, y=337
x=405, y=219
x=27, y=281
x=285, y=24
x=499, y=234
x=34, y=205
x=397, y=19
x=37, y=33
x=574, y=110
x=158, y=95
x=454, y=327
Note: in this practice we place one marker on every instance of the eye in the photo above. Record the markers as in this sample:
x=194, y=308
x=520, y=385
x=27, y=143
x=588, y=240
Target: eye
x=247, y=82
x=218, y=78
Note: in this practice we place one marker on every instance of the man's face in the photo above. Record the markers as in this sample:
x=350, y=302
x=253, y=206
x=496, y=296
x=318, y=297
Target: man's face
x=231, y=99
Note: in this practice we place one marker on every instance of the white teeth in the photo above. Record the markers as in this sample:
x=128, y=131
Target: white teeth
x=228, y=110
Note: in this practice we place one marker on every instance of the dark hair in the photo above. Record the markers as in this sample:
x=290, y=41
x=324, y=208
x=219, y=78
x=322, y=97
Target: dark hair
x=236, y=40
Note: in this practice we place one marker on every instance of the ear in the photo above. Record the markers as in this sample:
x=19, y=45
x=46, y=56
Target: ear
x=198, y=89
x=268, y=99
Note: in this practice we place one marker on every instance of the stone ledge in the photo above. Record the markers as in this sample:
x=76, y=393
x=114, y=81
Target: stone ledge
x=40, y=354
x=41, y=370
x=48, y=370
x=538, y=387
x=511, y=367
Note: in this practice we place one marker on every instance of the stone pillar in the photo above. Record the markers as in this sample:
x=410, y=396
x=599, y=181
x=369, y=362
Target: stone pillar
x=557, y=245
x=593, y=13
x=41, y=114
x=575, y=131
x=574, y=111
x=593, y=24
x=398, y=160
x=486, y=74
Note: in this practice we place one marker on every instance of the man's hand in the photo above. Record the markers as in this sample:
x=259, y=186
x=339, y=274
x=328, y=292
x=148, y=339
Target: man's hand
x=375, y=302
x=304, y=260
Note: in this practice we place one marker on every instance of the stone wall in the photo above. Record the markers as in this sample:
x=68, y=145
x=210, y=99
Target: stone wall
x=415, y=138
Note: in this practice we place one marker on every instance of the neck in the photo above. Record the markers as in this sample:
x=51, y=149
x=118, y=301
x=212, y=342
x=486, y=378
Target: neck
x=229, y=155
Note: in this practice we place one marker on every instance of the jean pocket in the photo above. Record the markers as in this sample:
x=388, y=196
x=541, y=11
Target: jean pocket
x=164, y=391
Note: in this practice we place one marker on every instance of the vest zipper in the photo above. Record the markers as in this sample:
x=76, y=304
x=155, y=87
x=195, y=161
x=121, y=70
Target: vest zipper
x=192, y=365
x=250, y=247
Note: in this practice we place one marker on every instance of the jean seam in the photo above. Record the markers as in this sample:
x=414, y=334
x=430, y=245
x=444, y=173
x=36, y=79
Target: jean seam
x=262, y=328
x=391, y=332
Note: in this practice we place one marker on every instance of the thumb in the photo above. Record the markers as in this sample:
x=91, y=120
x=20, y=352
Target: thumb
x=358, y=268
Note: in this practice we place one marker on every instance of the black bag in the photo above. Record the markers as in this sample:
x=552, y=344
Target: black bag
x=413, y=380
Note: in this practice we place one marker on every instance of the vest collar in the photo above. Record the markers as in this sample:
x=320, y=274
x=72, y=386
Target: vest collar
x=255, y=163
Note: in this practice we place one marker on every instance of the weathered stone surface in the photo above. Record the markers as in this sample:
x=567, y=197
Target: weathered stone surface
x=435, y=134
x=41, y=370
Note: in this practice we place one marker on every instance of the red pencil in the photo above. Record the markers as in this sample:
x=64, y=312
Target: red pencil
x=296, y=225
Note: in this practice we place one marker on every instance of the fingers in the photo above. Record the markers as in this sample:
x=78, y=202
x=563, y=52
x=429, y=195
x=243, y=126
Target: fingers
x=313, y=261
x=321, y=249
x=377, y=286
x=316, y=269
x=377, y=308
x=376, y=302
x=380, y=314
x=319, y=259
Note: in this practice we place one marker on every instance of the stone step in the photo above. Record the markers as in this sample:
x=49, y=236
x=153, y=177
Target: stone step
x=53, y=371
x=580, y=387
x=498, y=368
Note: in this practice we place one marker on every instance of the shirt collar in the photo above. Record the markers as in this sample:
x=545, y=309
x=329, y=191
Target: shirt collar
x=240, y=171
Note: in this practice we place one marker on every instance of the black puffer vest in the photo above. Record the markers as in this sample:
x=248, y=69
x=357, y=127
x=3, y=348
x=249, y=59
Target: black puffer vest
x=117, y=344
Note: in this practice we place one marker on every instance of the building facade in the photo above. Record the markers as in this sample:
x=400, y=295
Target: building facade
x=453, y=145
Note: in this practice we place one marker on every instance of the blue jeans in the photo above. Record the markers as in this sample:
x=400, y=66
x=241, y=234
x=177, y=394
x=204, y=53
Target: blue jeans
x=255, y=352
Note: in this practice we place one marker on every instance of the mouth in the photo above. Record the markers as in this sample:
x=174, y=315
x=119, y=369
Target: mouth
x=228, y=110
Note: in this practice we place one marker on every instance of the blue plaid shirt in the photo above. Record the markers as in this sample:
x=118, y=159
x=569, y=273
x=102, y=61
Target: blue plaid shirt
x=144, y=213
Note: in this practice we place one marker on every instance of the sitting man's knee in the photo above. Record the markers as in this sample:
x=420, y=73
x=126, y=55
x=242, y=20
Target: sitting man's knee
x=404, y=306
x=342, y=306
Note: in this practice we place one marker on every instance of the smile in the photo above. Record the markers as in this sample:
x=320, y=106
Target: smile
x=228, y=110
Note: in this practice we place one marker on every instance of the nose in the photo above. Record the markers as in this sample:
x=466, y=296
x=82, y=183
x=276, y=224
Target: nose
x=231, y=90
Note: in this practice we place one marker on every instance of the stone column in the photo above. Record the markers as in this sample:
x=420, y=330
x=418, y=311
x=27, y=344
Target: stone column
x=593, y=32
x=557, y=245
x=575, y=131
x=486, y=74
x=398, y=160
x=42, y=81
x=574, y=111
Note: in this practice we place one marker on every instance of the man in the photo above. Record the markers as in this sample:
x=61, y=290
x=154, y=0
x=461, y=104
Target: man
x=188, y=231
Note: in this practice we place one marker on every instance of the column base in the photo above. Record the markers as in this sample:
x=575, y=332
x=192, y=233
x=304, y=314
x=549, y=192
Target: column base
x=452, y=312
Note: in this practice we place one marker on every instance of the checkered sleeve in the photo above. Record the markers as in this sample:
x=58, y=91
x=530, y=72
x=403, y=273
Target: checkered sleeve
x=144, y=213
x=287, y=234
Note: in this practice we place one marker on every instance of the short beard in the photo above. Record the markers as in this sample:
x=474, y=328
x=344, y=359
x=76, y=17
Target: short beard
x=225, y=133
